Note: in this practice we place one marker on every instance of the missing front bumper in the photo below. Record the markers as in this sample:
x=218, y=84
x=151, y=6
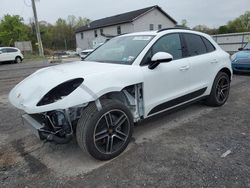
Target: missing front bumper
x=38, y=124
x=32, y=124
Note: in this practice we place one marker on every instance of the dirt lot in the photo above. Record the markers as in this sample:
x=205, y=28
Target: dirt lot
x=180, y=149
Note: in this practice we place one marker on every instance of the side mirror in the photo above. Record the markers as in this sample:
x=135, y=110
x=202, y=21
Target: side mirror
x=160, y=57
x=240, y=49
x=1, y=52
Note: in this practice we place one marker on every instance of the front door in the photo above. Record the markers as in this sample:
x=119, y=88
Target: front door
x=168, y=81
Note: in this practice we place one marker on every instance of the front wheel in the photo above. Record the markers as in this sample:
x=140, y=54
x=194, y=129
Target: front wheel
x=220, y=90
x=106, y=133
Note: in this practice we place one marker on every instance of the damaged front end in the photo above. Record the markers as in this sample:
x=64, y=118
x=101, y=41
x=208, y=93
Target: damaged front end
x=55, y=126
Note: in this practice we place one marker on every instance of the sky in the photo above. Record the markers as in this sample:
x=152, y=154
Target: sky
x=212, y=13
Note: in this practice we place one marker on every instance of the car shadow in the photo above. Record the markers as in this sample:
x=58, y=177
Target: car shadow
x=242, y=73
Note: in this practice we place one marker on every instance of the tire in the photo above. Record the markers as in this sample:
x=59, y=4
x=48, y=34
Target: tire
x=18, y=59
x=106, y=133
x=220, y=90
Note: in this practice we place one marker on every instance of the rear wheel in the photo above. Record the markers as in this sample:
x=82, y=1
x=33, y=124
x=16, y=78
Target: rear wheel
x=18, y=59
x=106, y=133
x=220, y=90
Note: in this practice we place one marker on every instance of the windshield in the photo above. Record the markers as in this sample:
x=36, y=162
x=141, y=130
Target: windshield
x=247, y=47
x=120, y=50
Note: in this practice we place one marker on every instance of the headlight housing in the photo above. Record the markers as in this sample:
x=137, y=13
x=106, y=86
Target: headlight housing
x=60, y=91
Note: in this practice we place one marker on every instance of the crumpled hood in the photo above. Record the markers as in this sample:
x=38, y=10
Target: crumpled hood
x=29, y=92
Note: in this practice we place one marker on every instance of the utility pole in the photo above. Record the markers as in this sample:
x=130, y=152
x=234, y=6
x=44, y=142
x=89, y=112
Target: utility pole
x=40, y=44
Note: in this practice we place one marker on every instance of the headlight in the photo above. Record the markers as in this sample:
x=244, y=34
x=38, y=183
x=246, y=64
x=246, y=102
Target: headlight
x=233, y=57
x=60, y=91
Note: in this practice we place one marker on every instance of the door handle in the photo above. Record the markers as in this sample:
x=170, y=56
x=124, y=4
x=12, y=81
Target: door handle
x=213, y=61
x=184, y=68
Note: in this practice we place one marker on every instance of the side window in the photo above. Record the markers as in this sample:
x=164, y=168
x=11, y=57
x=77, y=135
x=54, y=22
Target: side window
x=195, y=45
x=3, y=50
x=10, y=50
x=170, y=43
x=210, y=47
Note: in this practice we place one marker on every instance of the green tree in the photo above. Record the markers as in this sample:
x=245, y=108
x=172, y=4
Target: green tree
x=205, y=29
x=12, y=29
x=81, y=21
x=240, y=24
x=184, y=23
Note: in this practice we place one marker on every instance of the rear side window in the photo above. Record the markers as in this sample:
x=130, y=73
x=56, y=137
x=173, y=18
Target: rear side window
x=210, y=47
x=9, y=50
x=195, y=45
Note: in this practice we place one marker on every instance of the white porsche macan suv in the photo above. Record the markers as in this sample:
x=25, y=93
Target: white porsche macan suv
x=10, y=54
x=128, y=79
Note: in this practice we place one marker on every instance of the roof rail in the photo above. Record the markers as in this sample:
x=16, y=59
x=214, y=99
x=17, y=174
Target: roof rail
x=170, y=28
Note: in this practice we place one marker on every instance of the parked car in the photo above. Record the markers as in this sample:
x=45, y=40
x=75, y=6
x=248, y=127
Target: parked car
x=71, y=53
x=85, y=53
x=60, y=54
x=10, y=54
x=128, y=79
x=241, y=59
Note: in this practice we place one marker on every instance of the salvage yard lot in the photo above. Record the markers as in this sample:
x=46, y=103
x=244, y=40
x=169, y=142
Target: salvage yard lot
x=179, y=149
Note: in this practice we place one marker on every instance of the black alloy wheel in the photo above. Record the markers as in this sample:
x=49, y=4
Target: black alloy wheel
x=111, y=131
x=222, y=89
x=105, y=133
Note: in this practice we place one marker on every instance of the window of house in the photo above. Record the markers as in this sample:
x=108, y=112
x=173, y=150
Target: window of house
x=81, y=35
x=119, y=30
x=95, y=32
x=151, y=27
x=195, y=45
x=101, y=31
x=159, y=26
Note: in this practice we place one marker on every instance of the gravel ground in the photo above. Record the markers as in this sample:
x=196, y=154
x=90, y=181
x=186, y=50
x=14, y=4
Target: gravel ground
x=179, y=149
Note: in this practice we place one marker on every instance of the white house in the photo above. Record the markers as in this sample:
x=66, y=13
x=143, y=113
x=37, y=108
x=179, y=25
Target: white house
x=98, y=31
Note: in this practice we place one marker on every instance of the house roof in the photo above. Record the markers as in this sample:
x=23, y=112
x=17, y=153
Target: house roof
x=120, y=19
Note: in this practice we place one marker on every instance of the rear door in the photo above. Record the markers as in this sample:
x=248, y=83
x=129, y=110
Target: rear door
x=11, y=53
x=202, y=57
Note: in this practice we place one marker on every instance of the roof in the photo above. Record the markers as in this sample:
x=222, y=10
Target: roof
x=121, y=18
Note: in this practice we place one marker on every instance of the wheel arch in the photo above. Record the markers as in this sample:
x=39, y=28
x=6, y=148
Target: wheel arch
x=131, y=96
x=227, y=71
x=19, y=57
